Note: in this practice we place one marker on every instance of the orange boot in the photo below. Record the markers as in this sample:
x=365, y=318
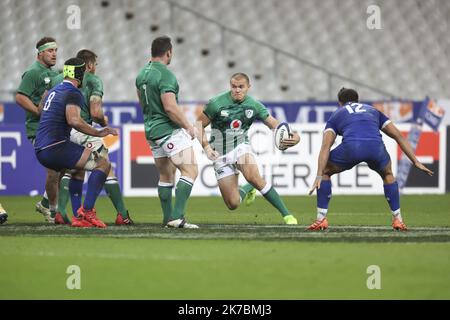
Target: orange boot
x=319, y=225
x=91, y=216
x=399, y=225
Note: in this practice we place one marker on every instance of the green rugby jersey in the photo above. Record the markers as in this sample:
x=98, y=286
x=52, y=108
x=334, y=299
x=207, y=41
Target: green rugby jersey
x=231, y=120
x=35, y=80
x=152, y=81
x=92, y=86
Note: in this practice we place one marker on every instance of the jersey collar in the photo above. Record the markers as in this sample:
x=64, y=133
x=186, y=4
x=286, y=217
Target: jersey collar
x=67, y=81
x=40, y=65
x=157, y=62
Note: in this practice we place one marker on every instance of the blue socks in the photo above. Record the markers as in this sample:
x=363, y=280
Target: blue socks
x=323, y=198
x=393, y=197
x=95, y=185
x=76, y=192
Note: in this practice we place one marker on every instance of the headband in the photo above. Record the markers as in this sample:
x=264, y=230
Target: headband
x=48, y=45
x=74, y=72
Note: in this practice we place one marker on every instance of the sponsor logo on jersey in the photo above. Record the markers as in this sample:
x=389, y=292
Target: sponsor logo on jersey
x=224, y=113
x=170, y=145
x=249, y=113
x=47, y=80
x=235, y=124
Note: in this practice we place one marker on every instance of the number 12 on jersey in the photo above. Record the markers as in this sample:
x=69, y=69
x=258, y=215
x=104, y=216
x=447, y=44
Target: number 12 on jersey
x=358, y=108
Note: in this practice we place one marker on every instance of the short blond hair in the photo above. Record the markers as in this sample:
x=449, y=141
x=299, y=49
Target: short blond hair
x=240, y=75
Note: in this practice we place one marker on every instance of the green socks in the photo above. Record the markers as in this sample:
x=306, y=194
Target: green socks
x=165, y=197
x=182, y=193
x=274, y=198
x=112, y=188
x=243, y=190
x=44, y=201
x=63, y=195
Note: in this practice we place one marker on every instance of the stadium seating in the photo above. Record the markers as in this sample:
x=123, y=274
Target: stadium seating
x=409, y=57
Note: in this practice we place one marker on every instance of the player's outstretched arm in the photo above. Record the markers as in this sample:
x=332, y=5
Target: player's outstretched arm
x=327, y=141
x=75, y=121
x=204, y=121
x=392, y=131
x=175, y=114
x=271, y=122
x=293, y=139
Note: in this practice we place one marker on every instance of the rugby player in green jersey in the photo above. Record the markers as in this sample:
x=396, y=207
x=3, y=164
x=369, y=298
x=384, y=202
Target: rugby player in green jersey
x=231, y=114
x=91, y=111
x=168, y=132
x=35, y=81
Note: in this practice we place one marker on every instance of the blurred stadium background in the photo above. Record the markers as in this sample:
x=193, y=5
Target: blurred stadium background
x=292, y=49
x=298, y=54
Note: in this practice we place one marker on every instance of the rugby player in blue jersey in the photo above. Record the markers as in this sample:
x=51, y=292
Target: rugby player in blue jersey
x=359, y=125
x=54, y=150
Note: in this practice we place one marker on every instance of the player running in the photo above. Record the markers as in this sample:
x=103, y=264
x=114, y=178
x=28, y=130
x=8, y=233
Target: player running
x=91, y=111
x=54, y=150
x=165, y=125
x=35, y=80
x=359, y=125
x=231, y=114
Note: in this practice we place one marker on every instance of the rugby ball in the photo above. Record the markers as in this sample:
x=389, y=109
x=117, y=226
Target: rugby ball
x=281, y=132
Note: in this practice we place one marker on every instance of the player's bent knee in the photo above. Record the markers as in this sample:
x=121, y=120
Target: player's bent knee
x=95, y=162
x=52, y=175
x=387, y=175
x=190, y=171
x=232, y=205
x=103, y=165
x=327, y=173
x=388, y=179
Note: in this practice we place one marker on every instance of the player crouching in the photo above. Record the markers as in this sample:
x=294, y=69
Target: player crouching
x=359, y=125
x=54, y=150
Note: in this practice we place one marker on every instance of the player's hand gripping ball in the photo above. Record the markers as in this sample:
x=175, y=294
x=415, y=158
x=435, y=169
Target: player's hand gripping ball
x=282, y=132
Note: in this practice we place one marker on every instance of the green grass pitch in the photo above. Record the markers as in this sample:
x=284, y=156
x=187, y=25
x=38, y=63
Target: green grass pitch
x=244, y=254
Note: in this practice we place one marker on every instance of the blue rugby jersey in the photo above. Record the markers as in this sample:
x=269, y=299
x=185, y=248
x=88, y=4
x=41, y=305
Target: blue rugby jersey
x=53, y=126
x=357, y=121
